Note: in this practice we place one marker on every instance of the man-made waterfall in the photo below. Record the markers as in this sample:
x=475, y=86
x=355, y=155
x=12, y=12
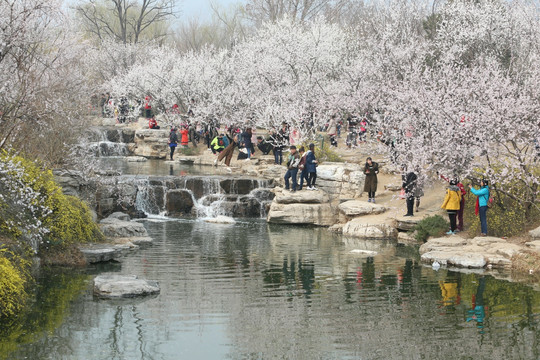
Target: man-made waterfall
x=106, y=142
x=194, y=196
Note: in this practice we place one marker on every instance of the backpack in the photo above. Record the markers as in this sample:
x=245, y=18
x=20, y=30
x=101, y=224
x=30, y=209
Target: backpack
x=490, y=201
x=221, y=142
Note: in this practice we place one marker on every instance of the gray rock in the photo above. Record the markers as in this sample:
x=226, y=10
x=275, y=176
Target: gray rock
x=115, y=228
x=535, y=233
x=455, y=258
x=97, y=253
x=179, y=202
x=359, y=208
x=309, y=214
x=371, y=227
x=120, y=216
x=123, y=286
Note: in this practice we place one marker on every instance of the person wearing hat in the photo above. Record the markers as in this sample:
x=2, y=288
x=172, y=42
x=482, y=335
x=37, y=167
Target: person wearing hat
x=451, y=204
x=311, y=167
x=482, y=202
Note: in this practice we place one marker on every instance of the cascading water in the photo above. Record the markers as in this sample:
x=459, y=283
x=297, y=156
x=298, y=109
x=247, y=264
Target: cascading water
x=105, y=142
x=203, y=197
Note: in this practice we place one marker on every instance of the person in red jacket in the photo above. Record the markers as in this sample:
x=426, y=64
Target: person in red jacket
x=152, y=124
x=185, y=136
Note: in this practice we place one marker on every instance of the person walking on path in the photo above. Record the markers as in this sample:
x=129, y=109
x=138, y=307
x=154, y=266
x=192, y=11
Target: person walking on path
x=371, y=169
x=409, y=188
x=173, y=141
x=302, y=167
x=451, y=204
x=311, y=167
x=292, y=168
x=482, y=202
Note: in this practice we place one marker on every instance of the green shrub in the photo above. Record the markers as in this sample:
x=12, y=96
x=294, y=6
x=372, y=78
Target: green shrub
x=13, y=279
x=506, y=218
x=326, y=153
x=430, y=226
x=68, y=219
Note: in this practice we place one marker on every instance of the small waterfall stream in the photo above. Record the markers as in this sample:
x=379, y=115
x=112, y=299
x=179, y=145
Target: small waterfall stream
x=201, y=196
x=107, y=142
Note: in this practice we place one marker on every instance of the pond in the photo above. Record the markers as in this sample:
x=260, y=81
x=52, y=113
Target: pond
x=257, y=291
x=157, y=167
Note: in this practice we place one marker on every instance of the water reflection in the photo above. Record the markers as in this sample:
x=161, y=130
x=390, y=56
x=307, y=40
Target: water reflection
x=257, y=291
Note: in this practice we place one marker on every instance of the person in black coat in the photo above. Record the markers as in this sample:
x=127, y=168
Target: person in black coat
x=409, y=186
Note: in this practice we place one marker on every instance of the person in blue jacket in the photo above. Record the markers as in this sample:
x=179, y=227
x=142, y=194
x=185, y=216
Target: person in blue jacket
x=483, y=199
x=311, y=167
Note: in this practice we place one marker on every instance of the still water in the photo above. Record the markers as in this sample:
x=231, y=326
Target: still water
x=255, y=291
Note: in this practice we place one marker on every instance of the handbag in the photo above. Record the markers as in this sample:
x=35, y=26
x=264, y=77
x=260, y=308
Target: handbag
x=402, y=194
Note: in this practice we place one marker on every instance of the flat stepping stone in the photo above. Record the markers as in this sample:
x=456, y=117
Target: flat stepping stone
x=123, y=286
x=105, y=252
x=360, y=208
x=391, y=187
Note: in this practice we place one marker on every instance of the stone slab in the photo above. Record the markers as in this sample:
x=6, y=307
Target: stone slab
x=123, y=286
x=360, y=208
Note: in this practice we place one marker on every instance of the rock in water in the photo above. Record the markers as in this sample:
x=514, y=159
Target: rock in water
x=123, y=286
x=363, y=252
x=221, y=220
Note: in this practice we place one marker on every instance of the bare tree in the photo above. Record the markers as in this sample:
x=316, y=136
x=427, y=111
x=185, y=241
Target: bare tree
x=126, y=21
x=260, y=11
x=225, y=28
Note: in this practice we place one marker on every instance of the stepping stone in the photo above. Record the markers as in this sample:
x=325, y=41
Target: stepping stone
x=359, y=208
x=123, y=286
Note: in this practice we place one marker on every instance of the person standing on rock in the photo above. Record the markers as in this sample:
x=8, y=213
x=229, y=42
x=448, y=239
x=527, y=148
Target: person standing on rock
x=482, y=202
x=173, y=141
x=451, y=204
x=311, y=167
x=409, y=187
x=302, y=167
x=419, y=189
x=292, y=168
x=371, y=169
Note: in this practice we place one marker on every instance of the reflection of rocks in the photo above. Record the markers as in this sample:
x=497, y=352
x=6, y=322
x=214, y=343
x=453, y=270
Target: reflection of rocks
x=470, y=253
x=302, y=207
x=123, y=286
x=371, y=227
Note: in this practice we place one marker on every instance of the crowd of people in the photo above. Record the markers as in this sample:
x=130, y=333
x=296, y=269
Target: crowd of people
x=301, y=165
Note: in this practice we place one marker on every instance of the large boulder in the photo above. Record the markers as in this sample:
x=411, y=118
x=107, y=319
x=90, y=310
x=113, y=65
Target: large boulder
x=152, y=143
x=179, y=202
x=371, y=227
x=313, y=214
x=353, y=208
x=535, y=233
x=470, y=253
x=123, y=286
x=120, y=216
x=302, y=197
x=115, y=228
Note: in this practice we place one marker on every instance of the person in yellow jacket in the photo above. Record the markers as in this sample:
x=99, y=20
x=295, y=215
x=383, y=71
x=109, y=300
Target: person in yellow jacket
x=451, y=204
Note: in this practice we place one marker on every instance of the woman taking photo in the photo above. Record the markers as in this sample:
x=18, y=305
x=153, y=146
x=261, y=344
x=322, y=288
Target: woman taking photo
x=482, y=202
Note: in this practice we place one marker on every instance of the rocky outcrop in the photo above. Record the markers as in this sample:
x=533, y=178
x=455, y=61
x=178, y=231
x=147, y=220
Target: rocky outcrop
x=120, y=231
x=151, y=143
x=120, y=216
x=470, y=253
x=301, y=207
x=354, y=208
x=535, y=233
x=123, y=286
x=371, y=227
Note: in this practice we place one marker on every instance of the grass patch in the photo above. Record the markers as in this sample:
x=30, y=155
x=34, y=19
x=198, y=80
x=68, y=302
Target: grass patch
x=527, y=263
x=431, y=226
